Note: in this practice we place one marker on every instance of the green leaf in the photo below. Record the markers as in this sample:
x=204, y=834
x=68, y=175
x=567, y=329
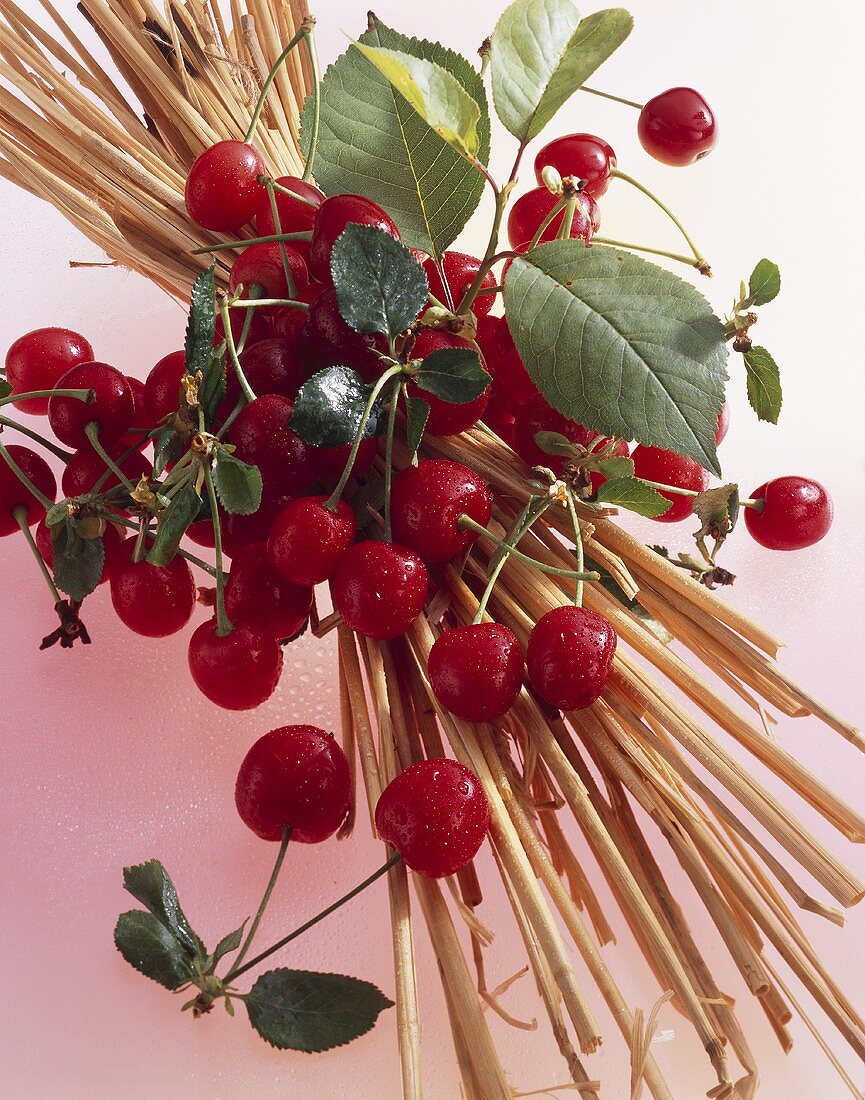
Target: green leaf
x=238, y=485
x=634, y=494
x=150, y=947
x=764, y=384
x=151, y=884
x=554, y=443
x=379, y=285
x=541, y=52
x=167, y=448
x=373, y=143
x=229, y=943
x=620, y=345
x=765, y=283
x=329, y=409
x=5, y=388
x=453, y=374
x=78, y=563
x=617, y=466
x=303, y=1010
x=717, y=510
x=211, y=392
x=416, y=416
x=201, y=325
x=183, y=510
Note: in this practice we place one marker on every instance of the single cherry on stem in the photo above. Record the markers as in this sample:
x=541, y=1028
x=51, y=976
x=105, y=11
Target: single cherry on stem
x=307, y=539
x=379, y=589
x=791, y=513
x=677, y=127
x=274, y=365
x=255, y=594
x=111, y=409
x=427, y=502
x=529, y=211
x=460, y=270
x=328, y=340
x=668, y=468
x=333, y=216
x=262, y=265
x=223, y=188
x=477, y=671
x=238, y=670
x=297, y=211
x=151, y=600
x=569, y=655
x=14, y=494
x=446, y=417
x=37, y=360
x=723, y=424
x=580, y=156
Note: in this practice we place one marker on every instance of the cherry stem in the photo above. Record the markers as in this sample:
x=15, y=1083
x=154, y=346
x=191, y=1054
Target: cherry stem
x=468, y=522
x=246, y=389
x=699, y=264
x=578, y=546
x=274, y=875
x=615, y=98
x=617, y=173
x=79, y=395
x=271, y=238
x=564, y=233
x=91, y=430
x=305, y=29
x=254, y=303
x=20, y=514
x=524, y=522
x=65, y=456
x=236, y=971
x=316, y=105
x=388, y=456
x=138, y=549
x=286, y=266
x=224, y=625
x=24, y=479
x=560, y=205
x=191, y=558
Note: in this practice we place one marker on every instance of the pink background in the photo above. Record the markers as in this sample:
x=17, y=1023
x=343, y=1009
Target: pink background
x=112, y=757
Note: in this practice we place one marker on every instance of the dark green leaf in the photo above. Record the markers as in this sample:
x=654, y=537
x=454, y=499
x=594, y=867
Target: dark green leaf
x=238, y=485
x=633, y=494
x=211, y=392
x=329, y=409
x=541, y=52
x=150, y=884
x=5, y=388
x=765, y=283
x=764, y=384
x=379, y=285
x=372, y=142
x=416, y=416
x=173, y=523
x=303, y=1010
x=617, y=466
x=150, y=947
x=620, y=345
x=78, y=563
x=167, y=448
x=201, y=325
x=453, y=374
x=229, y=943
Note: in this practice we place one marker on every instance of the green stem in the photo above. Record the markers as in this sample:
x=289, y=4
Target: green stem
x=652, y=251
x=91, y=430
x=617, y=173
x=277, y=221
x=254, y=303
x=20, y=514
x=578, y=545
x=316, y=106
x=564, y=233
x=529, y=515
x=65, y=456
x=232, y=416
x=271, y=76
x=246, y=389
x=271, y=238
x=79, y=395
x=277, y=186
x=138, y=548
x=274, y=875
x=388, y=456
x=235, y=971
x=224, y=625
x=560, y=205
x=191, y=558
x=24, y=479
x=468, y=522
x=615, y=98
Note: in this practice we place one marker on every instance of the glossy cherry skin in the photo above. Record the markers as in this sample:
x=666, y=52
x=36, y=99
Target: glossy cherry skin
x=111, y=410
x=295, y=777
x=460, y=271
x=238, y=670
x=797, y=512
x=436, y=815
x=677, y=127
x=261, y=265
x=569, y=655
x=427, y=502
x=333, y=216
x=271, y=366
x=294, y=216
x=531, y=209
x=255, y=594
x=240, y=531
x=538, y=416
x=289, y=323
x=86, y=467
x=162, y=386
x=330, y=461
x=447, y=417
x=723, y=424
x=379, y=589
x=262, y=437
x=327, y=340
x=513, y=387
x=136, y=436
x=655, y=464
x=307, y=540
x=580, y=156
x=477, y=671
x=36, y=360
x=151, y=600
x=222, y=189
x=14, y=494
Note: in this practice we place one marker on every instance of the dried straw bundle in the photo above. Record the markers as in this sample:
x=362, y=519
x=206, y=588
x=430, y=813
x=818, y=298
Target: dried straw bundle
x=118, y=175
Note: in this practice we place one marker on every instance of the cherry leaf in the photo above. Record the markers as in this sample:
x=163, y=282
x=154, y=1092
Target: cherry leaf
x=329, y=409
x=416, y=416
x=764, y=284
x=453, y=374
x=78, y=562
x=379, y=285
x=634, y=494
x=764, y=384
x=151, y=884
x=238, y=485
x=150, y=947
x=173, y=523
x=201, y=325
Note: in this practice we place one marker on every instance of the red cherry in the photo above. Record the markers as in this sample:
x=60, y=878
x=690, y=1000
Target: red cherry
x=295, y=216
x=531, y=209
x=333, y=216
x=490, y=335
x=289, y=323
x=86, y=467
x=329, y=341
x=238, y=670
x=500, y=420
x=512, y=384
x=239, y=531
x=151, y=600
x=427, y=502
x=539, y=416
x=460, y=271
x=307, y=540
x=723, y=424
x=222, y=188
x=796, y=513
x=255, y=594
x=162, y=387
x=14, y=494
x=654, y=464
x=258, y=330
x=436, y=815
x=39, y=358
x=569, y=656
x=262, y=437
x=136, y=436
x=261, y=265
x=294, y=776
x=271, y=366
x=477, y=671
x=330, y=461
x=446, y=417
x=111, y=410
x=379, y=588
x=580, y=156
x=677, y=127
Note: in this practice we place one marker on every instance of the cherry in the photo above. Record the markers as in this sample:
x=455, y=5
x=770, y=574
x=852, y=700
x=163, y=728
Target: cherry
x=500, y=420
x=162, y=387
x=539, y=416
x=111, y=410
x=446, y=417
x=379, y=588
x=580, y=156
x=677, y=127
x=14, y=494
x=436, y=815
x=333, y=216
x=36, y=360
x=531, y=209
x=512, y=383
x=294, y=216
x=796, y=512
x=327, y=339
x=569, y=656
x=654, y=464
x=255, y=594
x=296, y=777
x=151, y=600
x=289, y=323
x=262, y=437
x=459, y=271
x=239, y=531
x=307, y=540
x=723, y=424
x=477, y=671
x=238, y=670
x=86, y=467
x=493, y=337
x=222, y=188
x=271, y=366
x=427, y=502
x=261, y=265
x=136, y=436
x=258, y=329
x=330, y=461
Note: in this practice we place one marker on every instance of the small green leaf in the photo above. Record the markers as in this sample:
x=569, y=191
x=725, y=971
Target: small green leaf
x=5, y=388
x=150, y=884
x=416, y=416
x=541, y=52
x=436, y=95
x=453, y=374
x=229, y=943
x=634, y=494
x=764, y=384
x=57, y=513
x=616, y=467
x=765, y=283
x=379, y=285
x=167, y=448
x=211, y=392
x=238, y=485
x=329, y=409
x=150, y=947
x=201, y=325
x=717, y=510
x=183, y=510
x=554, y=443
x=304, y=1010
x=78, y=563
